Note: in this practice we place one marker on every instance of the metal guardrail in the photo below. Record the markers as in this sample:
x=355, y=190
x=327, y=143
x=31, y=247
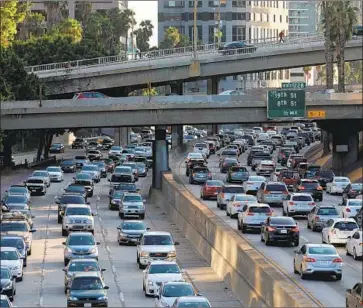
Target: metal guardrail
x=157, y=54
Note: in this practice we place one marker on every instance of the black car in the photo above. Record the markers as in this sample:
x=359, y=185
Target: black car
x=107, y=144
x=227, y=164
x=192, y=163
x=311, y=187
x=81, y=160
x=78, y=143
x=68, y=166
x=85, y=180
x=280, y=229
x=56, y=148
x=8, y=283
x=77, y=189
x=324, y=177
x=233, y=48
x=126, y=187
x=15, y=242
x=68, y=199
x=306, y=136
x=102, y=167
x=351, y=191
x=249, y=139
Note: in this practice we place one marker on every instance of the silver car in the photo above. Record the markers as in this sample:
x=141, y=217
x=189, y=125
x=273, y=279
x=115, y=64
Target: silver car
x=253, y=183
x=319, y=215
x=42, y=174
x=252, y=217
x=320, y=259
x=132, y=204
x=80, y=245
x=272, y=193
x=226, y=193
x=93, y=171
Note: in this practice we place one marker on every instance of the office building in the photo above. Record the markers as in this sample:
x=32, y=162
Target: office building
x=252, y=21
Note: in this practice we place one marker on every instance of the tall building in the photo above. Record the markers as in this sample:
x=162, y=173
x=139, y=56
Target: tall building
x=240, y=21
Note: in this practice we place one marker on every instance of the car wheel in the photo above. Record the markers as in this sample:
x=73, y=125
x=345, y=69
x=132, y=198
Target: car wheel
x=91, y=194
x=30, y=252
x=60, y=219
x=283, y=211
x=66, y=261
x=355, y=256
x=142, y=216
x=228, y=214
x=295, y=271
x=347, y=251
x=238, y=225
x=322, y=239
x=121, y=215
x=296, y=243
x=64, y=232
x=267, y=241
x=338, y=277
x=141, y=266
x=302, y=275
x=20, y=278
x=244, y=229
x=217, y=204
x=308, y=225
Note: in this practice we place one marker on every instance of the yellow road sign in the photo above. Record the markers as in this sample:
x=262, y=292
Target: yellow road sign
x=318, y=114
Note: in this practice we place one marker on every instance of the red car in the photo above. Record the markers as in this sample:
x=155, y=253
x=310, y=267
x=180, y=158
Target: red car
x=210, y=189
x=85, y=95
x=110, y=164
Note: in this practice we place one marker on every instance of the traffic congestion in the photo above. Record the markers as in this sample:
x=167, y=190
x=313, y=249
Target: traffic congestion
x=88, y=216
x=302, y=217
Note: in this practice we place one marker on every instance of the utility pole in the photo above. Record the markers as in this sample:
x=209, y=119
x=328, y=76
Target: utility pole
x=219, y=22
x=132, y=41
x=195, y=30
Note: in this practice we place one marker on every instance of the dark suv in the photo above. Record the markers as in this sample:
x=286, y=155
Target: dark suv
x=192, y=163
x=78, y=143
x=68, y=199
x=311, y=187
x=199, y=175
x=324, y=176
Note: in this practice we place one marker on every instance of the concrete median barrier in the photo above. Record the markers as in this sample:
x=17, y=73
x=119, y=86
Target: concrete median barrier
x=255, y=281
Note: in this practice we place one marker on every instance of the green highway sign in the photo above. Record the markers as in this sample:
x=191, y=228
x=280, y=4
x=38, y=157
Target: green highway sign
x=293, y=85
x=286, y=103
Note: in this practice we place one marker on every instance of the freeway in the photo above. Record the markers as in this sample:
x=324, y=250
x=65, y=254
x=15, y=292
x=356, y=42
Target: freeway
x=329, y=293
x=43, y=277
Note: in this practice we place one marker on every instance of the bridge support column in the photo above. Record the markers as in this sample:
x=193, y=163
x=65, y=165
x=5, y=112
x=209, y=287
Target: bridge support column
x=345, y=150
x=71, y=9
x=121, y=136
x=212, y=89
x=176, y=88
x=177, y=136
x=160, y=156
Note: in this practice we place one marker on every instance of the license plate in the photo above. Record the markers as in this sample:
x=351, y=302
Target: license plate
x=34, y=190
x=324, y=262
x=134, y=240
x=283, y=231
x=88, y=305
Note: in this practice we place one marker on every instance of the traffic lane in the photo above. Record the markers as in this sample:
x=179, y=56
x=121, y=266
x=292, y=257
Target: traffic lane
x=330, y=293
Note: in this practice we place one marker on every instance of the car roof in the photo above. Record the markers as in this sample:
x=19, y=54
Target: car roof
x=161, y=262
x=77, y=205
x=83, y=260
x=8, y=249
x=11, y=237
x=300, y=194
x=157, y=233
x=132, y=194
x=319, y=245
x=309, y=181
x=337, y=219
x=258, y=204
x=229, y=185
x=273, y=183
x=192, y=298
x=80, y=233
x=87, y=274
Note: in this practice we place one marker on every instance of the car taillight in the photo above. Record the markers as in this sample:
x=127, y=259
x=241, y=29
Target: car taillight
x=222, y=195
x=266, y=192
x=271, y=229
x=311, y=203
x=236, y=204
x=308, y=259
x=249, y=183
x=317, y=218
x=269, y=213
x=291, y=203
x=209, y=174
x=320, y=188
x=348, y=210
x=301, y=188
x=338, y=260
x=295, y=229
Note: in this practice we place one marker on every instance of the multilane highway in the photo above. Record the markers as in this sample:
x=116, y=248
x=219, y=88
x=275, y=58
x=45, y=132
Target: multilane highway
x=43, y=277
x=329, y=293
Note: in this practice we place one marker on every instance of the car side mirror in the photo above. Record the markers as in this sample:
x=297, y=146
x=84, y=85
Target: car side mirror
x=349, y=237
x=63, y=243
x=340, y=204
x=199, y=294
x=98, y=243
x=106, y=287
x=94, y=214
x=103, y=270
x=147, y=228
x=14, y=277
x=33, y=216
x=176, y=243
x=138, y=189
x=64, y=269
x=297, y=251
x=157, y=296
x=143, y=200
x=108, y=180
x=349, y=290
x=118, y=228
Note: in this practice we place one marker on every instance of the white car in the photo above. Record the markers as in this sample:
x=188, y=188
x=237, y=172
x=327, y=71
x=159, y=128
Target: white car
x=237, y=202
x=262, y=136
x=354, y=245
x=337, y=230
x=351, y=208
x=253, y=184
x=257, y=130
x=78, y=217
x=338, y=185
x=233, y=147
x=11, y=258
x=271, y=133
x=154, y=246
x=158, y=272
x=298, y=204
x=202, y=148
x=42, y=174
x=170, y=291
x=265, y=167
x=194, y=155
x=55, y=173
x=252, y=216
x=115, y=151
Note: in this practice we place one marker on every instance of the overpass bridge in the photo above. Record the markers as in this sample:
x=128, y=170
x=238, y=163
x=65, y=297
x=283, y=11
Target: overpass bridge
x=181, y=65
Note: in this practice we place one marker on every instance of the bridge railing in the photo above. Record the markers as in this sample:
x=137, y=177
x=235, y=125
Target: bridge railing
x=69, y=66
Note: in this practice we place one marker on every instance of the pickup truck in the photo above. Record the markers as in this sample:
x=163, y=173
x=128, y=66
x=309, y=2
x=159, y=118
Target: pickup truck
x=289, y=178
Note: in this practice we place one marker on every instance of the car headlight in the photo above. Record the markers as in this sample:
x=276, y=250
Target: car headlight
x=89, y=222
x=163, y=303
x=144, y=254
x=102, y=298
x=123, y=234
x=27, y=238
x=72, y=298
x=15, y=267
x=69, y=250
x=7, y=286
x=172, y=254
x=93, y=250
x=150, y=283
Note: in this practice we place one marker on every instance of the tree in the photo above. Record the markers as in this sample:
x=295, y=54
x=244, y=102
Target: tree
x=143, y=35
x=353, y=72
x=150, y=92
x=69, y=27
x=171, y=38
x=55, y=12
x=11, y=14
x=307, y=70
x=32, y=26
x=83, y=10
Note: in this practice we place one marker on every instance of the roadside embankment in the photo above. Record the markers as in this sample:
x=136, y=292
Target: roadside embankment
x=255, y=281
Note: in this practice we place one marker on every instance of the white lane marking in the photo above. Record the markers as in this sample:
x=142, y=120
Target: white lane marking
x=304, y=238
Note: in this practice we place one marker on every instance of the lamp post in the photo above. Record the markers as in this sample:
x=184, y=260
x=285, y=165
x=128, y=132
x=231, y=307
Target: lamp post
x=195, y=29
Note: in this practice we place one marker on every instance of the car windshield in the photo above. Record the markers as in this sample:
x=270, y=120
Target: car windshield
x=158, y=240
x=200, y=170
x=302, y=198
x=22, y=190
x=164, y=269
x=140, y=166
x=67, y=199
x=80, y=158
x=256, y=179
x=328, y=211
x=310, y=185
x=341, y=180
x=83, y=176
x=132, y=199
x=16, y=199
x=78, y=211
x=275, y=187
x=76, y=188
x=13, y=242
x=56, y=145
x=133, y=166
x=259, y=209
x=53, y=169
x=118, y=194
x=9, y=255
x=132, y=226
x=239, y=169
x=86, y=283
x=14, y=226
x=123, y=170
x=215, y=183
x=326, y=174
x=322, y=251
x=197, y=304
x=5, y=274
x=226, y=153
x=245, y=198
x=357, y=186
x=346, y=226
x=93, y=152
x=177, y=290
x=355, y=202
x=67, y=162
x=285, y=221
x=126, y=187
x=115, y=148
x=40, y=173
x=195, y=155
x=84, y=266
x=89, y=168
x=81, y=240
x=234, y=190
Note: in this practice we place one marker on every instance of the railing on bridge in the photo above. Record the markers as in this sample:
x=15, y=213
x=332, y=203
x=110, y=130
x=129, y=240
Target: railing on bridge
x=165, y=53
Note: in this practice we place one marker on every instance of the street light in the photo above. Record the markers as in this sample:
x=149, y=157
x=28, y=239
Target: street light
x=195, y=33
